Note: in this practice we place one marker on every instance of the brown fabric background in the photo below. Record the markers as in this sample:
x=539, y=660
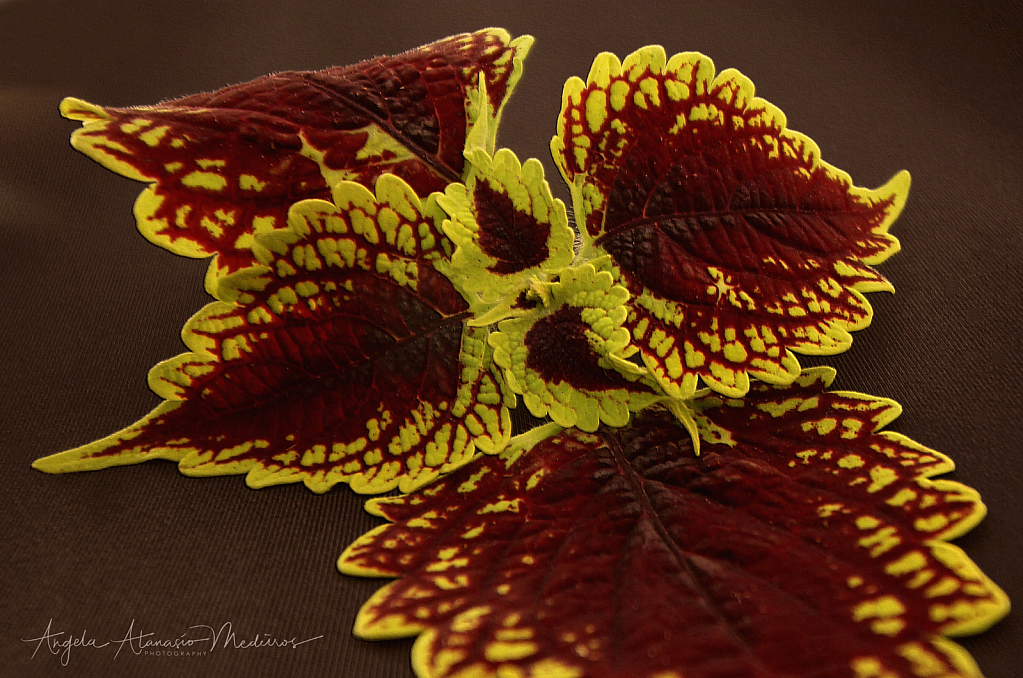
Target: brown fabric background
x=87, y=306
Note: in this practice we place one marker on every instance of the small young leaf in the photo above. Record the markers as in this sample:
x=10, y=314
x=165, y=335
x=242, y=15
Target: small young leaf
x=568, y=359
x=814, y=546
x=738, y=243
x=227, y=165
x=342, y=357
x=507, y=228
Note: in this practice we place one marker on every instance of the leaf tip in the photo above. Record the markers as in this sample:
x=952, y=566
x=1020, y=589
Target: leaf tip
x=350, y=563
x=898, y=186
x=895, y=192
x=651, y=58
x=370, y=627
x=522, y=45
x=825, y=374
x=51, y=464
x=982, y=615
x=605, y=66
x=957, y=655
x=374, y=507
x=77, y=109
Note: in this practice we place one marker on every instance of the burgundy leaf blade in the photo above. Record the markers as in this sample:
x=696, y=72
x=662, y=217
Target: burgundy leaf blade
x=226, y=165
x=342, y=357
x=737, y=242
x=623, y=554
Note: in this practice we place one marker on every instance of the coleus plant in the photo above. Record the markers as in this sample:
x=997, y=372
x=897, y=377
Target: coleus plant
x=389, y=284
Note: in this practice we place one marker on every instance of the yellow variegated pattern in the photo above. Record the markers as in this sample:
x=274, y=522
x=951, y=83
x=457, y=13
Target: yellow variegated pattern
x=899, y=519
x=569, y=358
x=507, y=229
x=738, y=244
x=299, y=348
x=225, y=166
x=350, y=342
x=621, y=554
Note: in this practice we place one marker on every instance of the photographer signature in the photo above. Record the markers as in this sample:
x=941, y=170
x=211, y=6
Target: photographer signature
x=198, y=640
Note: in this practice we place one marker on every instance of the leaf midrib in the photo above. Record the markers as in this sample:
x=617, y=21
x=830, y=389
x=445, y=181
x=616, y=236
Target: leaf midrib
x=641, y=222
x=636, y=484
x=426, y=158
x=302, y=384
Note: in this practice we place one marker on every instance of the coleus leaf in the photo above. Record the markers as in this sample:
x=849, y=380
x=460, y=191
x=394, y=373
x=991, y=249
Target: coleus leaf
x=507, y=229
x=738, y=243
x=227, y=165
x=342, y=356
x=569, y=356
x=808, y=544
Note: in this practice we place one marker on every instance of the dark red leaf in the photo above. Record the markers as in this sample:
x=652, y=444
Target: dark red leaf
x=737, y=242
x=813, y=547
x=227, y=165
x=342, y=357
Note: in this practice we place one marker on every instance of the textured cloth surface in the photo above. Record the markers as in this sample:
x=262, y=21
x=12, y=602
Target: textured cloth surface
x=89, y=306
